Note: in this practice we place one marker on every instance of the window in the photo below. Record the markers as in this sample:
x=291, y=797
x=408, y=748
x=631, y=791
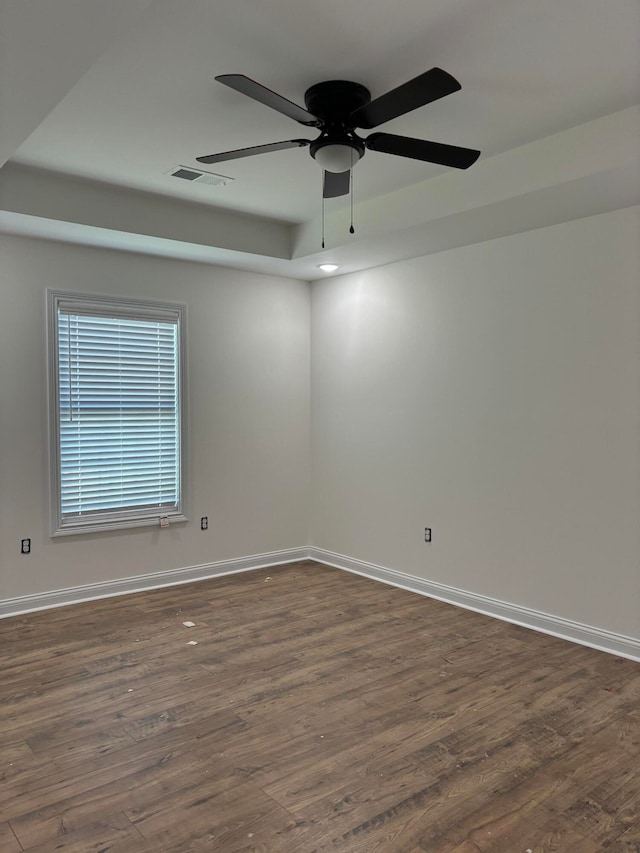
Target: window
x=117, y=412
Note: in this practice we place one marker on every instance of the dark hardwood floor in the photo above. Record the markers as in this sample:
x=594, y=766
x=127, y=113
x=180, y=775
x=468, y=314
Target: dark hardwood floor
x=319, y=711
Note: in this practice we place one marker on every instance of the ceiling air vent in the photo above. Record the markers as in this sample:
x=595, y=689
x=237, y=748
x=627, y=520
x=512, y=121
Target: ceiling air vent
x=196, y=176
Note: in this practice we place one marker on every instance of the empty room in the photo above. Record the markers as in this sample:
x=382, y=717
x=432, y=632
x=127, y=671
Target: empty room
x=319, y=426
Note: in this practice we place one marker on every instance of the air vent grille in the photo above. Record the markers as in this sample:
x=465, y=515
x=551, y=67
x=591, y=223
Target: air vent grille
x=187, y=174
x=195, y=176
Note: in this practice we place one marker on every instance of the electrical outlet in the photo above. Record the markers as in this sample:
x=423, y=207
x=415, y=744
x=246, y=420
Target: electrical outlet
x=204, y=523
x=427, y=534
x=25, y=547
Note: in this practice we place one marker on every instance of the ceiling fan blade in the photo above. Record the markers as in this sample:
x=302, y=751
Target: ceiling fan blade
x=415, y=93
x=420, y=149
x=255, y=149
x=265, y=96
x=336, y=184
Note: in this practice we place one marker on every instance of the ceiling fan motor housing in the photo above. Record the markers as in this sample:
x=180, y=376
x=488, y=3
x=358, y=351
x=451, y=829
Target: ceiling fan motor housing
x=333, y=102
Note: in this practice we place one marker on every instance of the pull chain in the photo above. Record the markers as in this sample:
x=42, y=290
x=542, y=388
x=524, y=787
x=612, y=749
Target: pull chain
x=323, y=212
x=351, y=229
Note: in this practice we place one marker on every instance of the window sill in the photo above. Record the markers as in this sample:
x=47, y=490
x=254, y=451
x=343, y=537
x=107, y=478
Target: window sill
x=122, y=524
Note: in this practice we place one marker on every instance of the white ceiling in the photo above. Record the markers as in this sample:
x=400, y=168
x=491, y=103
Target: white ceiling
x=146, y=101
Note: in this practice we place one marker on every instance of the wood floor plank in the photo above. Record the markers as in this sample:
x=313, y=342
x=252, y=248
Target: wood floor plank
x=98, y=836
x=531, y=799
x=204, y=810
x=628, y=842
x=53, y=786
x=139, y=790
x=8, y=841
x=319, y=712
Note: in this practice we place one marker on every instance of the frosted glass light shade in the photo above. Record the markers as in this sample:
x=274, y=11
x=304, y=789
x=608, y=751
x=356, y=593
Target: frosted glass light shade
x=337, y=158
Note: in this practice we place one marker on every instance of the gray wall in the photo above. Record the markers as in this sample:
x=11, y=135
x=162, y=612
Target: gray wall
x=491, y=393
x=248, y=370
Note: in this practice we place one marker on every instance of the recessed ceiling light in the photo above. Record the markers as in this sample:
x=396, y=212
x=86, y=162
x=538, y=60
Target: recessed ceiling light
x=328, y=267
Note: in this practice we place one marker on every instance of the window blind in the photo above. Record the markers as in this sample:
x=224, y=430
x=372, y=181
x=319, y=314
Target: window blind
x=119, y=415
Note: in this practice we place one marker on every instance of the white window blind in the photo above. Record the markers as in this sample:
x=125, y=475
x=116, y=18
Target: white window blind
x=118, y=414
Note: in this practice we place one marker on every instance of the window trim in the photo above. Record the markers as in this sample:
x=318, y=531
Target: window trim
x=98, y=304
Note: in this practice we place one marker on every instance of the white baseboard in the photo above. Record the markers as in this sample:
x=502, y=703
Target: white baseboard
x=140, y=583
x=585, y=635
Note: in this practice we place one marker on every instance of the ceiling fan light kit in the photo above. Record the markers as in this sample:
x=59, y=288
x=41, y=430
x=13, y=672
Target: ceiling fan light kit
x=336, y=156
x=337, y=108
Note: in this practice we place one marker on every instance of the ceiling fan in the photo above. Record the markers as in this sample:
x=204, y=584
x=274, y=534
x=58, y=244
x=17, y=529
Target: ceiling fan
x=336, y=108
